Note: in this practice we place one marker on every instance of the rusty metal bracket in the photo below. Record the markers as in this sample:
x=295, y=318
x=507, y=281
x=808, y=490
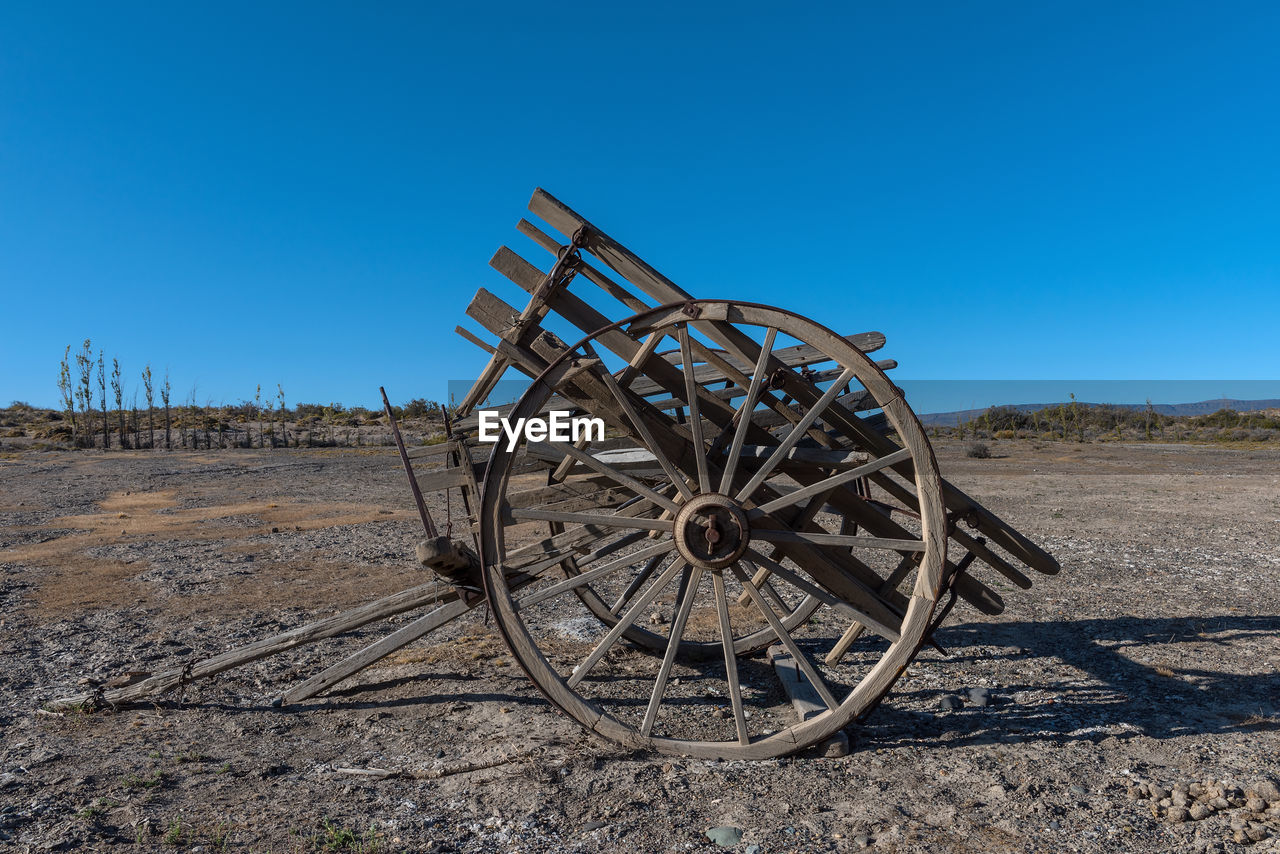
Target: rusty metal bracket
x=691, y=309
x=568, y=262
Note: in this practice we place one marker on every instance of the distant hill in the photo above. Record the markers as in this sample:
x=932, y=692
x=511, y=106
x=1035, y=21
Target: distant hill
x=1204, y=407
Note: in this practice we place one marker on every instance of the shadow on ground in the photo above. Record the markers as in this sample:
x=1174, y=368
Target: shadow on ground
x=1082, y=680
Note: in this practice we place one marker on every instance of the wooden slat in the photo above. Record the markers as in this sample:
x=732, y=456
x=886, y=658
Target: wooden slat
x=613, y=521
x=352, y=664
x=855, y=581
x=804, y=699
x=434, y=481
x=663, y=289
x=474, y=339
x=387, y=606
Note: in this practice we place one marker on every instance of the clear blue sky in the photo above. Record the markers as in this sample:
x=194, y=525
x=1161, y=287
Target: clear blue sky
x=309, y=193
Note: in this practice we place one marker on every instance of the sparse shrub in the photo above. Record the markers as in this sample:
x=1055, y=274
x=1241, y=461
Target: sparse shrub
x=978, y=451
x=417, y=408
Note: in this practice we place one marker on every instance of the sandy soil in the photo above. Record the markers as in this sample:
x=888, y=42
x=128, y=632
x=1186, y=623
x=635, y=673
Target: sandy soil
x=1135, y=690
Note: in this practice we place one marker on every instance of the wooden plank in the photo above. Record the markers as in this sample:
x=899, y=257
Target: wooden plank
x=429, y=451
x=529, y=277
x=841, y=540
x=635, y=270
x=854, y=580
x=525, y=513
x=352, y=664
x=804, y=699
x=474, y=339
x=434, y=481
x=867, y=342
x=907, y=496
x=172, y=677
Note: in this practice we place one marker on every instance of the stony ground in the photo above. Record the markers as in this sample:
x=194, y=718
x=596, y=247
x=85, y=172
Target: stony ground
x=1136, y=696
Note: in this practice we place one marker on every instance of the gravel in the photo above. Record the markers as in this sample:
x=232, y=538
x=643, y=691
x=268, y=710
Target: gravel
x=1137, y=691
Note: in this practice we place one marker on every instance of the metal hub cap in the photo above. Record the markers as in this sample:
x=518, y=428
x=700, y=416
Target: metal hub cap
x=711, y=531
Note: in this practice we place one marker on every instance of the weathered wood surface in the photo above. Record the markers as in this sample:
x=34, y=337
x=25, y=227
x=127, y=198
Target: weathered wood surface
x=653, y=283
x=173, y=677
x=358, y=661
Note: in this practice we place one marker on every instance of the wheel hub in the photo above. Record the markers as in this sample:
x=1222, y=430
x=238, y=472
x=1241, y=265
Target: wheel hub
x=711, y=531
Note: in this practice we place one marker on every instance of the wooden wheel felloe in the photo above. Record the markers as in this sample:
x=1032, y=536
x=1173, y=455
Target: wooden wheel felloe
x=721, y=533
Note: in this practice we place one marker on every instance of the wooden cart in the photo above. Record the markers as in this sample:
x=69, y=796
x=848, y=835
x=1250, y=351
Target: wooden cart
x=743, y=564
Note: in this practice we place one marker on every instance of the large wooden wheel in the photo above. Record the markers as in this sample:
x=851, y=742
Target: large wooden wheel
x=748, y=515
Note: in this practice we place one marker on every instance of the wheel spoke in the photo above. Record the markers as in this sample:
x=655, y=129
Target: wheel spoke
x=856, y=628
x=688, y=594
x=766, y=587
x=745, y=413
x=636, y=583
x=831, y=482
x=636, y=365
x=625, y=622
x=591, y=575
x=846, y=540
x=609, y=472
x=646, y=435
x=570, y=553
x=592, y=519
x=796, y=434
x=730, y=658
x=827, y=598
x=799, y=520
x=695, y=415
x=802, y=660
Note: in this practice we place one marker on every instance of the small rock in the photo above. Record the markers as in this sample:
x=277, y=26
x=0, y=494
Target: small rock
x=980, y=697
x=719, y=713
x=1159, y=793
x=1135, y=793
x=950, y=702
x=753, y=848
x=1219, y=803
x=1078, y=790
x=725, y=836
x=1176, y=815
x=1256, y=804
x=1199, y=811
x=836, y=746
x=1240, y=837
x=1257, y=832
x=1195, y=790
x=1179, y=797
x=41, y=756
x=594, y=825
x=861, y=840
x=1268, y=791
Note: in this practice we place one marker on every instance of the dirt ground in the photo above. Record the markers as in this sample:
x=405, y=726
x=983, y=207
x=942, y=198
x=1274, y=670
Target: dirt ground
x=1133, y=692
